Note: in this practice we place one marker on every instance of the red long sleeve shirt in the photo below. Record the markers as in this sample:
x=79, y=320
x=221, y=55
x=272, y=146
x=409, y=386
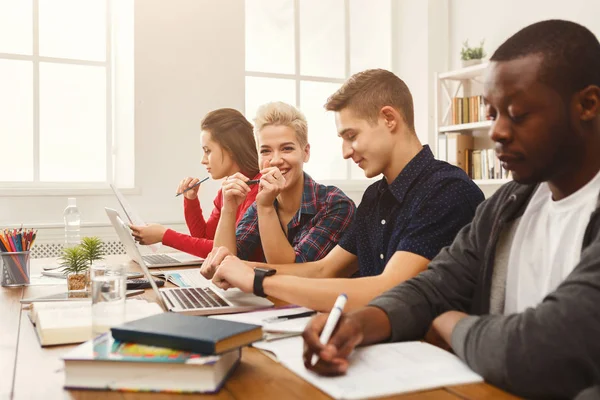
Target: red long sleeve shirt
x=202, y=231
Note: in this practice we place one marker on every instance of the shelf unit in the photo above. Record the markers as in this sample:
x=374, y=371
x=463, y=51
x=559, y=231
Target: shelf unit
x=465, y=82
x=471, y=126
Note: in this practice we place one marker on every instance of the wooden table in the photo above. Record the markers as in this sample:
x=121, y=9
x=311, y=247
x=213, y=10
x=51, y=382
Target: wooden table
x=28, y=371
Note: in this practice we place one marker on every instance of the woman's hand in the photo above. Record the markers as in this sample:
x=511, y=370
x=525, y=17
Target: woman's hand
x=188, y=182
x=234, y=191
x=149, y=234
x=271, y=184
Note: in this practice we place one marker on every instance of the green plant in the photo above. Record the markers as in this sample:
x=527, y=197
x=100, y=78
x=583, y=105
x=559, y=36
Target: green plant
x=73, y=260
x=93, y=249
x=472, y=53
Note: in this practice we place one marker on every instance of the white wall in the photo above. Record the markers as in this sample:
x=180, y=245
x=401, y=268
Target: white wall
x=189, y=59
x=496, y=21
x=420, y=40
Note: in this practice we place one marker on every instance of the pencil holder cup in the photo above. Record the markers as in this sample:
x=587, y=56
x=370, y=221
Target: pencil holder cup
x=14, y=268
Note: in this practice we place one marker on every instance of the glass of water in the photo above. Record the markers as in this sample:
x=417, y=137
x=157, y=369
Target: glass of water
x=108, y=298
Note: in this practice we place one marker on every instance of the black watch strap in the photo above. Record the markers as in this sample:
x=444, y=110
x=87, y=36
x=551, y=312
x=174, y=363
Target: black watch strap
x=259, y=277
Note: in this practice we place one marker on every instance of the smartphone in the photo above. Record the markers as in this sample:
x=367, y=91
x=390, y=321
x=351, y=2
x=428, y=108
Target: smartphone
x=143, y=283
x=73, y=296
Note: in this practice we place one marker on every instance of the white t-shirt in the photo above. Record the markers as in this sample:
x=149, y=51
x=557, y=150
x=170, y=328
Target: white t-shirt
x=547, y=244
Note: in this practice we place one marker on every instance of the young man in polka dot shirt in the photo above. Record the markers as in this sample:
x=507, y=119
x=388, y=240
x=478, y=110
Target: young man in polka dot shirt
x=402, y=222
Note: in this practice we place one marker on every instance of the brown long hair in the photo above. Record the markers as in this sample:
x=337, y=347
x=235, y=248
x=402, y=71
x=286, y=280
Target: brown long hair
x=232, y=131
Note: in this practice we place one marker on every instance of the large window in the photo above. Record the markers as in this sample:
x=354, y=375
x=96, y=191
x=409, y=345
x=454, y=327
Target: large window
x=66, y=93
x=301, y=51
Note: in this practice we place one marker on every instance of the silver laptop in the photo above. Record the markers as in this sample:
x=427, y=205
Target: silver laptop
x=156, y=260
x=203, y=298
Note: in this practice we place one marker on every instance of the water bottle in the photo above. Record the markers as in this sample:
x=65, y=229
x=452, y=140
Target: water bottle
x=72, y=223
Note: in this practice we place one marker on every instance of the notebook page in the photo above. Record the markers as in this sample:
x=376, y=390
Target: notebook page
x=262, y=317
x=380, y=370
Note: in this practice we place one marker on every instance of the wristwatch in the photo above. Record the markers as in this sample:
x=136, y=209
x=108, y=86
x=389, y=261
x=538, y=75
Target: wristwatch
x=259, y=277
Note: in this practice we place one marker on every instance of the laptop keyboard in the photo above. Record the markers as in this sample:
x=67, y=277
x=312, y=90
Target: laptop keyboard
x=154, y=259
x=198, y=298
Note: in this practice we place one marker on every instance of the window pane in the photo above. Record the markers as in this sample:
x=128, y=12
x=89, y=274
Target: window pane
x=73, y=29
x=322, y=38
x=16, y=21
x=370, y=35
x=326, y=160
x=72, y=123
x=270, y=36
x=263, y=90
x=16, y=116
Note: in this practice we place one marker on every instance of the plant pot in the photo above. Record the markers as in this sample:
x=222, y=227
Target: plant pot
x=467, y=63
x=77, y=282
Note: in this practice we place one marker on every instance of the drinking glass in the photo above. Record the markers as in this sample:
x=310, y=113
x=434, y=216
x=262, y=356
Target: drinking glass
x=108, y=298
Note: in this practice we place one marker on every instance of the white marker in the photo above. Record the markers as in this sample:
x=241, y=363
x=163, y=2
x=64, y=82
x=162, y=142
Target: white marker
x=332, y=320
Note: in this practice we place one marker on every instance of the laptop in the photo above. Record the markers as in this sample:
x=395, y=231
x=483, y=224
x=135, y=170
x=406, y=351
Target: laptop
x=202, y=298
x=156, y=260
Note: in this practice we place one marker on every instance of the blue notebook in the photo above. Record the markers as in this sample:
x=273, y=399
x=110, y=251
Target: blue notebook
x=188, y=333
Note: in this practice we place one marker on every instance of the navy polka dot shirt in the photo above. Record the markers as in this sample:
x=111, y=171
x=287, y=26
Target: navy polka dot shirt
x=420, y=212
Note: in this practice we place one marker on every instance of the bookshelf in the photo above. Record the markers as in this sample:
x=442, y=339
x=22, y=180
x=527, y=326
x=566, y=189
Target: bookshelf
x=461, y=128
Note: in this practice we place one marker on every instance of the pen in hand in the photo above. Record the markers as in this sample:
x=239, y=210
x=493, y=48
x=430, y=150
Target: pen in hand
x=332, y=320
x=193, y=186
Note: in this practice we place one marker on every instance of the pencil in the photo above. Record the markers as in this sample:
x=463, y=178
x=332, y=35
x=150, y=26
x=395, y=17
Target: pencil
x=191, y=187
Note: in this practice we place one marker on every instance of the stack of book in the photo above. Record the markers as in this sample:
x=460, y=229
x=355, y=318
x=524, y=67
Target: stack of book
x=467, y=109
x=167, y=352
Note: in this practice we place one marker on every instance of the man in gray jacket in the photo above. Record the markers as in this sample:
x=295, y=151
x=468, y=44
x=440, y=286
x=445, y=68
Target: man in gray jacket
x=517, y=294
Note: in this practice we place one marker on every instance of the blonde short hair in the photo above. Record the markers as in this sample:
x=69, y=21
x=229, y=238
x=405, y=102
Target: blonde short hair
x=279, y=113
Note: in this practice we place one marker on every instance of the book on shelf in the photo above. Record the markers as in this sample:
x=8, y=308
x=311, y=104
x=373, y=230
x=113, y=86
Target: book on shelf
x=467, y=109
x=106, y=364
x=483, y=164
x=67, y=322
x=457, y=146
x=188, y=333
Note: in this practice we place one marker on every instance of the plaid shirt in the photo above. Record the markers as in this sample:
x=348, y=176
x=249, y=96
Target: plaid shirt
x=324, y=215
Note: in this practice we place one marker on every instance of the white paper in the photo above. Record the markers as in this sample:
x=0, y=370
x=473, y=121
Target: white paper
x=132, y=215
x=42, y=280
x=380, y=370
x=296, y=325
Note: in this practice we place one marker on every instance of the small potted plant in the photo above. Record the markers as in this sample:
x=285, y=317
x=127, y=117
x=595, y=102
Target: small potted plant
x=471, y=55
x=75, y=265
x=93, y=249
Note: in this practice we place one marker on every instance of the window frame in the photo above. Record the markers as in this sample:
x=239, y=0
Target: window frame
x=349, y=183
x=37, y=187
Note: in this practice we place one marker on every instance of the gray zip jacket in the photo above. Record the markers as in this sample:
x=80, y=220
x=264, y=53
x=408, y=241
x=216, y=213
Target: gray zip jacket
x=550, y=351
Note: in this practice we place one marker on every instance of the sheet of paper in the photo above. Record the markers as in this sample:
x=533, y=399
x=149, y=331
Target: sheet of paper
x=41, y=280
x=132, y=215
x=380, y=370
x=262, y=317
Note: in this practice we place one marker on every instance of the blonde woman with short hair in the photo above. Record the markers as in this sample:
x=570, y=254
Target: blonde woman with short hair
x=294, y=218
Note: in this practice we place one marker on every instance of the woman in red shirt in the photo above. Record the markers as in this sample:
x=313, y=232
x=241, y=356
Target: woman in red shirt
x=229, y=147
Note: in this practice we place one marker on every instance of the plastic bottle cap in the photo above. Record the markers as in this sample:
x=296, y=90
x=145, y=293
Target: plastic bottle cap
x=72, y=201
